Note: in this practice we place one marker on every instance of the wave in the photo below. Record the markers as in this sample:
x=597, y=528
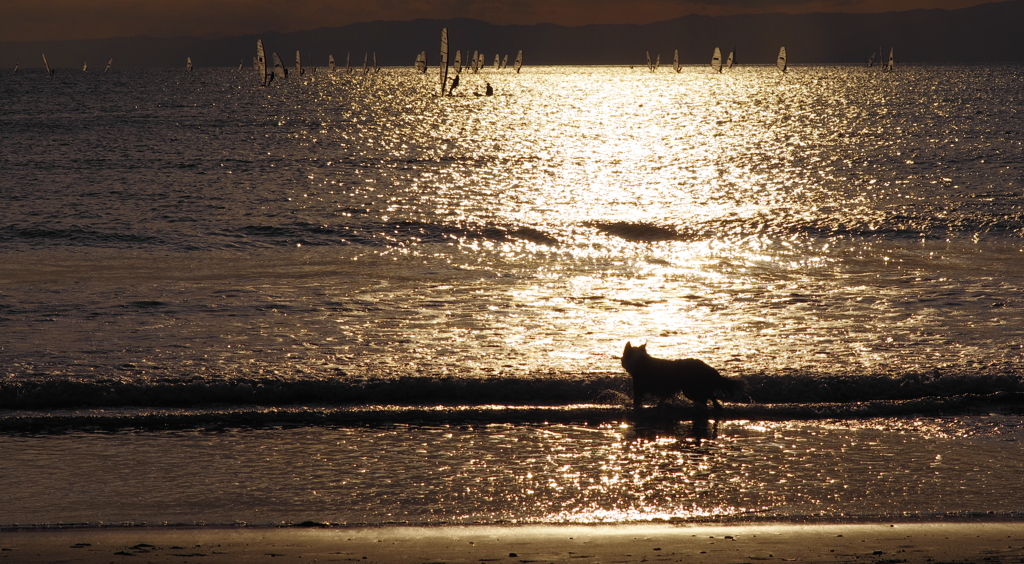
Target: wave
x=592, y=398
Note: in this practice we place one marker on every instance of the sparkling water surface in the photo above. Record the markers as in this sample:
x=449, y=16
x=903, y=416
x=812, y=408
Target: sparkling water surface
x=801, y=231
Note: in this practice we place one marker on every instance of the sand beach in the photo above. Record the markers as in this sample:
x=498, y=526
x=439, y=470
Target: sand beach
x=712, y=544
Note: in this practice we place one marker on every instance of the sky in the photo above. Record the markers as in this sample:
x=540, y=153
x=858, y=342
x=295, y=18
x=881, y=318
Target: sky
x=46, y=20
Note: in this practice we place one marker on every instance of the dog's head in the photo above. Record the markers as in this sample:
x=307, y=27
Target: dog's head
x=631, y=354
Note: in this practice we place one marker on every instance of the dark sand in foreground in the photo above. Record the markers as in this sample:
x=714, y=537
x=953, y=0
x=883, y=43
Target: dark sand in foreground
x=871, y=543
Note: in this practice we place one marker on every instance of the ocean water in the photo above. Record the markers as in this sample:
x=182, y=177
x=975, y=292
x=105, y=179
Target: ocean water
x=346, y=299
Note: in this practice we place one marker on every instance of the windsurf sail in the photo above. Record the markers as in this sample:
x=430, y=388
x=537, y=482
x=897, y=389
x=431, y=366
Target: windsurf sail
x=261, y=62
x=476, y=61
x=279, y=70
x=109, y=63
x=732, y=59
x=443, y=65
x=497, y=61
x=716, y=60
x=331, y=65
x=871, y=60
x=46, y=64
x=16, y=65
x=85, y=66
x=298, y=63
x=376, y=67
x=504, y=61
x=649, y=64
x=519, y=62
x=348, y=62
x=657, y=62
x=241, y=64
x=366, y=63
x=458, y=62
x=188, y=64
x=421, y=61
x=675, y=62
x=781, y=61
x=889, y=65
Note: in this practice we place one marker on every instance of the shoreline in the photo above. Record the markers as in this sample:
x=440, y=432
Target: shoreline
x=713, y=544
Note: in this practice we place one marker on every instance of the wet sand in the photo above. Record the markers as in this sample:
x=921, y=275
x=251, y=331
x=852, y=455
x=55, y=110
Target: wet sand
x=872, y=543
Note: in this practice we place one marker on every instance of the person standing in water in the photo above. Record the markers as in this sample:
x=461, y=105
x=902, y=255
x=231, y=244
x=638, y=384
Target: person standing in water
x=489, y=91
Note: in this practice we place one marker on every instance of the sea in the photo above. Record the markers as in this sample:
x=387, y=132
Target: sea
x=344, y=299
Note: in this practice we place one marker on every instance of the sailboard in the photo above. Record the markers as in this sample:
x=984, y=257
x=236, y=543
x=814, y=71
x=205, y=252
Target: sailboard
x=781, y=61
x=16, y=65
x=331, y=65
x=298, y=63
x=675, y=62
x=241, y=64
x=85, y=66
x=716, y=60
x=279, y=70
x=871, y=60
x=519, y=62
x=497, y=61
x=376, y=67
x=649, y=64
x=188, y=64
x=504, y=62
x=889, y=65
x=443, y=65
x=348, y=62
x=657, y=62
x=109, y=64
x=458, y=62
x=421, y=61
x=261, y=62
x=732, y=59
x=476, y=61
x=46, y=64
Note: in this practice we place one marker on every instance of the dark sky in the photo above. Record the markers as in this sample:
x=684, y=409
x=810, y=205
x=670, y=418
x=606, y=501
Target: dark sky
x=31, y=20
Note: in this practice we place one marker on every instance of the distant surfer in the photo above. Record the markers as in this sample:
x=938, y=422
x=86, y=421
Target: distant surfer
x=489, y=91
x=455, y=84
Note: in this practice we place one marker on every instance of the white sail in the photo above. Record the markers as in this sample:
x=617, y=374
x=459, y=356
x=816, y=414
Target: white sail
x=298, y=63
x=46, y=64
x=331, y=65
x=188, y=63
x=443, y=65
x=458, y=62
x=889, y=66
x=261, y=62
x=781, y=61
x=504, y=61
x=732, y=59
x=279, y=70
x=519, y=62
x=649, y=64
x=476, y=61
x=675, y=62
x=109, y=63
x=421, y=61
x=497, y=61
x=657, y=62
x=716, y=60
x=85, y=66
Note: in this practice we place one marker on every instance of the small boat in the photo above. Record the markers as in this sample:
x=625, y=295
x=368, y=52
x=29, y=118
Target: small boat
x=519, y=62
x=675, y=62
x=109, y=64
x=889, y=65
x=732, y=59
x=188, y=64
x=443, y=64
x=331, y=65
x=261, y=63
x=716, y=60
x=781, y=61
x=49, y=71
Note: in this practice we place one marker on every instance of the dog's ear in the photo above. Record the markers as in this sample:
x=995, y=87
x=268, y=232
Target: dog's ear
x=643, y=347
x=626, y=351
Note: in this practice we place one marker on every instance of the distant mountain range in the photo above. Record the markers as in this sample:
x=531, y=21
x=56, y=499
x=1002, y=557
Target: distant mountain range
x=985, y=33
